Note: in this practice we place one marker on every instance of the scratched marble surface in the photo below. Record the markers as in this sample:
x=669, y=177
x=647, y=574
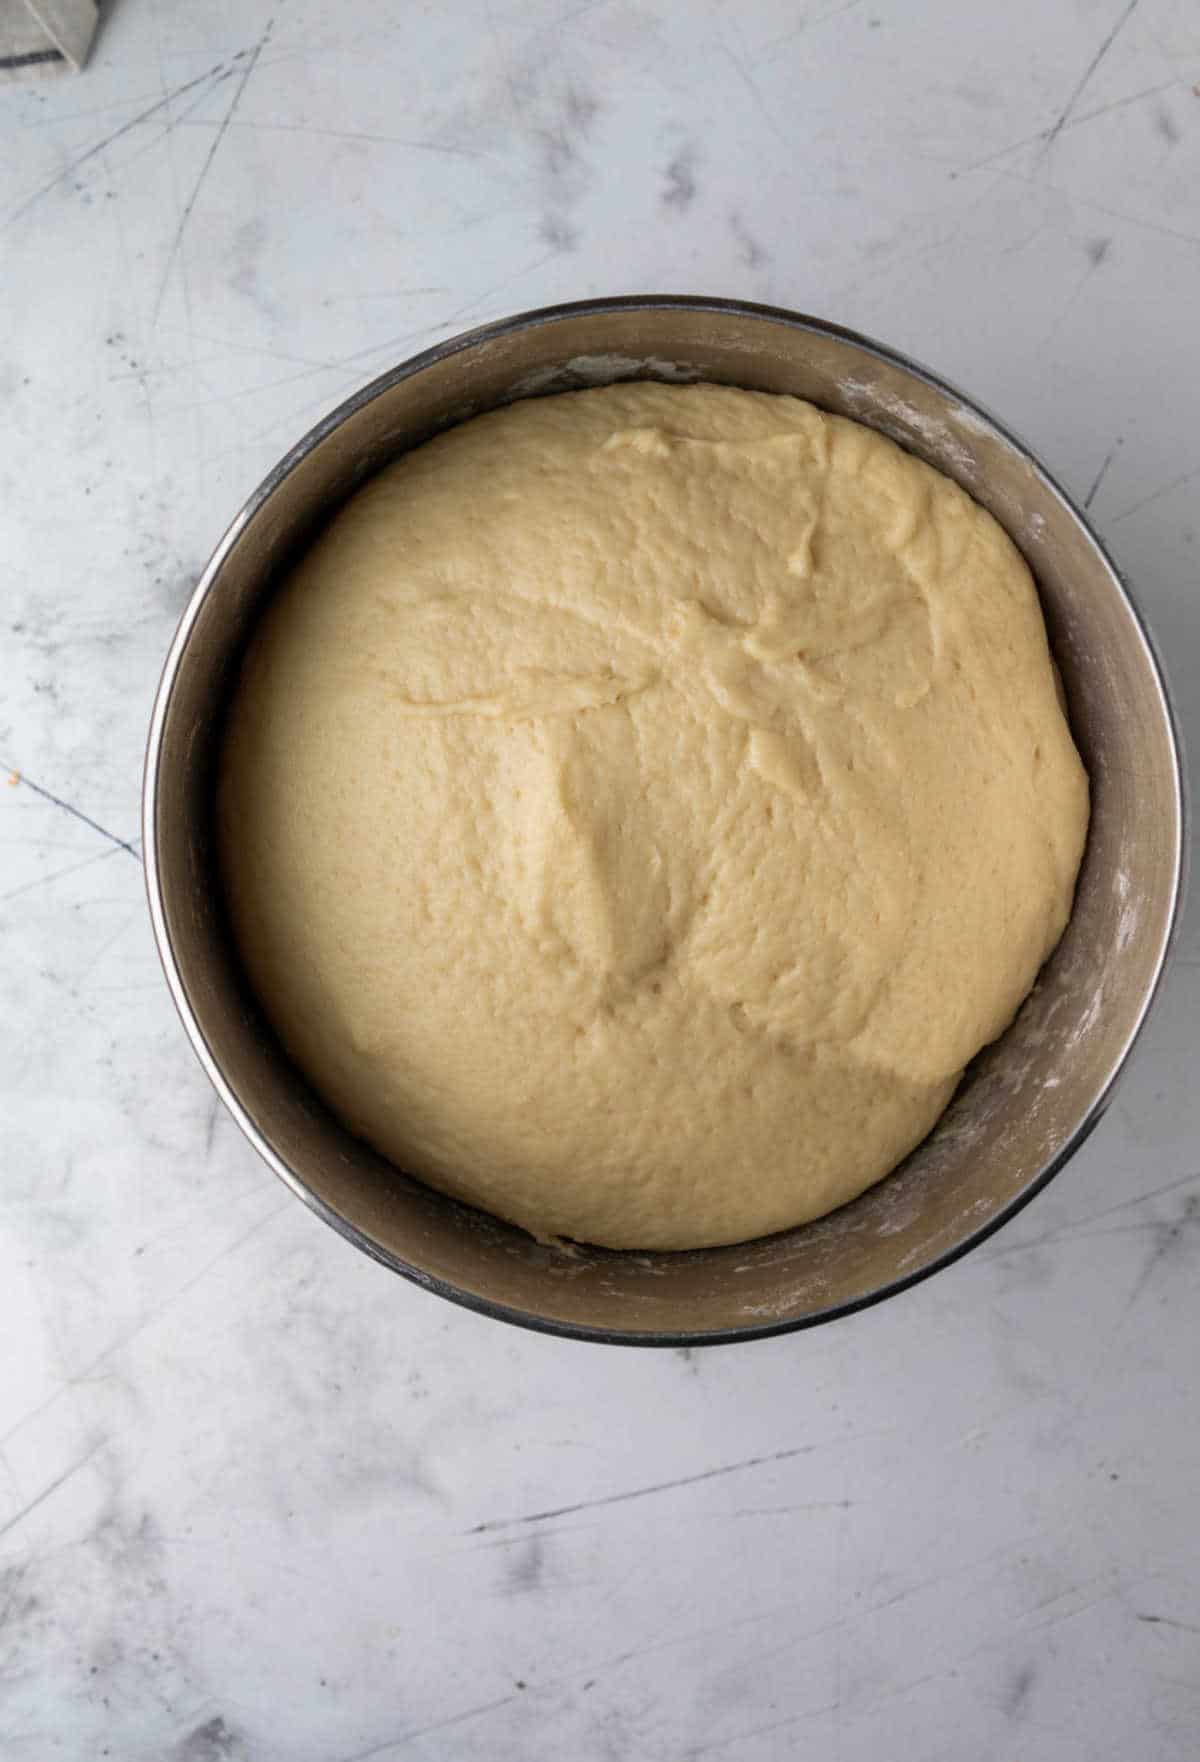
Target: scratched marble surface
x=260, y=1501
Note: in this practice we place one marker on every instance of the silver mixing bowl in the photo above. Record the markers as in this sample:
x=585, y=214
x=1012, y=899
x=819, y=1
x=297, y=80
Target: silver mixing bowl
x=1026, y=1103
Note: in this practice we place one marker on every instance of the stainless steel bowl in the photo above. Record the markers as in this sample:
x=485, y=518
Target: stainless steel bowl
x=1025, y=1105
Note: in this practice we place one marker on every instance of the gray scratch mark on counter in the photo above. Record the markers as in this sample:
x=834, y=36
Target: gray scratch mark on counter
x=424, y=1731
x=760, y=1731
x=179, y=119
x=1186, y=1627
x=1101, y=474
x=1080, y=1227
x=348, y=362
x=315, y=132
x=808, y=24
x=1171, y=1238
x=210, y=1125
x=788, y=1510
x=76, y=813
x=110, y=941
x=573, y=17
x=1165, y=232
x=1089, y=72
x=125, y=128
x=1079, y=121
x=751, y=85
x=1156, y=495
x=687, y=1480
x=46, y=1492
x=251, y=59
x=147, y=1320
x=1096, y=251
x=61, y=874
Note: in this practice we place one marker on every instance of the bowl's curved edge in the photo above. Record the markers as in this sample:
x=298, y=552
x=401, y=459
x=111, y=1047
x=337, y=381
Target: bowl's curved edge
x=162, y=937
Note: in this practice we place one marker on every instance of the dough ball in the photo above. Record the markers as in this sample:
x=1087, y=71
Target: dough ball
x=640, y=804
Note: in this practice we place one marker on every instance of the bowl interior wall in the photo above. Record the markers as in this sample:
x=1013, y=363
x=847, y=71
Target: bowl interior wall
x=1024, y=1101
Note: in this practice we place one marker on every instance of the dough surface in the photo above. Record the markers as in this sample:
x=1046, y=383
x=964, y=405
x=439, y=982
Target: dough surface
x=640, y=804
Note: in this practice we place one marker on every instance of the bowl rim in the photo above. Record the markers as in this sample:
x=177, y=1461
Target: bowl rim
x=320, y=431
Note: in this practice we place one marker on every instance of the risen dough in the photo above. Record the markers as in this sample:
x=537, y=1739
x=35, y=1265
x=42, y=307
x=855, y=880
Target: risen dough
x=640, y=804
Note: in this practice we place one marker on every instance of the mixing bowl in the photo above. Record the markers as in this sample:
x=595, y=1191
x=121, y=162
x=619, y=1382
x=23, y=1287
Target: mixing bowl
x=1025, y=1104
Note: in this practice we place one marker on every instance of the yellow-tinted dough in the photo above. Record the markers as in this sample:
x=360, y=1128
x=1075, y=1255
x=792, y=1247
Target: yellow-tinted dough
x=640, y=804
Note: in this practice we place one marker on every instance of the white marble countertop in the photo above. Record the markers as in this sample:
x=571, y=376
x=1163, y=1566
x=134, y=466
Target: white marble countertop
x=244, y=1470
